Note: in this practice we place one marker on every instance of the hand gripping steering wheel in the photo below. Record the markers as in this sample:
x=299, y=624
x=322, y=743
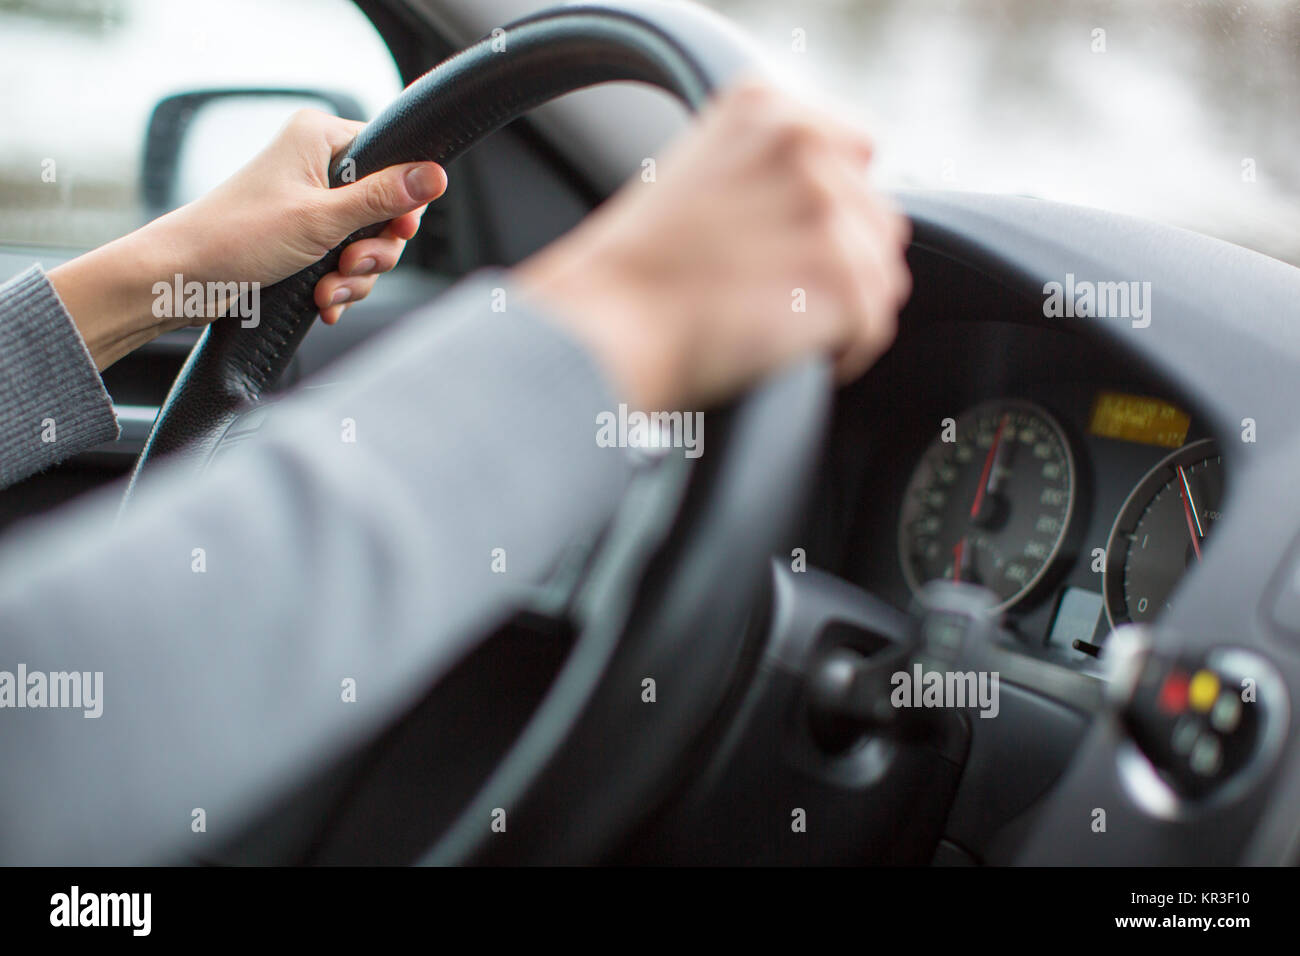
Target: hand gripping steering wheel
x=671, y=590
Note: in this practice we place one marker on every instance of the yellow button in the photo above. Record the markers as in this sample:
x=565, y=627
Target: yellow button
x=1202, y=691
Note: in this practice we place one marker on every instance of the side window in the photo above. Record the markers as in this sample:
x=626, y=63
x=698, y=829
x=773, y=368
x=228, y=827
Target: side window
x=114, y=110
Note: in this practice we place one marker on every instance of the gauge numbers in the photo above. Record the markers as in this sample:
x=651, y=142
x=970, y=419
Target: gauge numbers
x=990, y=501
x=1161, y=531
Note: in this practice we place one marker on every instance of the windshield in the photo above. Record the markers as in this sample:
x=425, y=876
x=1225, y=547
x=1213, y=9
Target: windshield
x=1175, y=110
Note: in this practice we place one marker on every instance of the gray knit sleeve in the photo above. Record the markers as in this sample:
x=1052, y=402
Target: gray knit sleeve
x=371, y=537
x=52, y=400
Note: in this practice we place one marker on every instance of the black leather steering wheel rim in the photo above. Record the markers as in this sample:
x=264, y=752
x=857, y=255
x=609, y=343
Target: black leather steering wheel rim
x=681, y=49
x=673, y=588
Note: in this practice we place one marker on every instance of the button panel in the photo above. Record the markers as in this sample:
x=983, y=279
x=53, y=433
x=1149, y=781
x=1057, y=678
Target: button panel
x=1208, y=725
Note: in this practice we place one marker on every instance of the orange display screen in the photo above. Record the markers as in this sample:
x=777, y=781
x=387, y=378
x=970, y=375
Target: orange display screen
x=1136, y=418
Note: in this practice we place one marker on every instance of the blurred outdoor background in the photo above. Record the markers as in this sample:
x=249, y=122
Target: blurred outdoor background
x=1009, y=96
x=79, y=79
x=1183, y=111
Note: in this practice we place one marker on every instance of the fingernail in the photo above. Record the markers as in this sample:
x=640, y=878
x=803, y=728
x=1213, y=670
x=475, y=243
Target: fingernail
x=340, y=295
x=364, y=267
x=422, y=183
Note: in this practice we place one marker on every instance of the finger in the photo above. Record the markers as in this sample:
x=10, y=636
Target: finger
x=869, y=268
x=878, y=302
x=331, y=315
x=404, y=227
x=887, y=230
x=339, y=133
x=881, y=321
x=336, y=292
x=873, y=264
x=796, y=122
x=382, y=196
x=318, y=136
x=881, y=285
x=881, y=211
x=894, y=228
x=370, y=256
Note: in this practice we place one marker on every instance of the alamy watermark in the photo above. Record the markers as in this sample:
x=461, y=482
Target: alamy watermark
x=1084, y=299
x=179, y=299
x=651, y=430
x=133, y=911
x=74, y=690
x=949, y=689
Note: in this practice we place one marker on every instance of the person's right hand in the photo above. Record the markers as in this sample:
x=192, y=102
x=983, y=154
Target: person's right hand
x=685, y=288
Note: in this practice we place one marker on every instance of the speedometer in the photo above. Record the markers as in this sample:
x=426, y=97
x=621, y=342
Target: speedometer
x=990, y=501
x=1160, y=532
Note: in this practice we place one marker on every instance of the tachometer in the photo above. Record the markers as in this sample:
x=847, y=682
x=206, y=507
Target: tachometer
x=990, y=501
x=1161, y=531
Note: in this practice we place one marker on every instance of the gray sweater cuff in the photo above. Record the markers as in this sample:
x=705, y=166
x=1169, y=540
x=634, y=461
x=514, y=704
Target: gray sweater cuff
x=52, y=400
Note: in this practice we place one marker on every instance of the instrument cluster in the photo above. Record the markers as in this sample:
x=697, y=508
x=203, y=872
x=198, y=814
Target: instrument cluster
x=1008, y=497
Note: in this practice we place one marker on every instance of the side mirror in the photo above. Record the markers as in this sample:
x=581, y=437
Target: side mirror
x=195, y=140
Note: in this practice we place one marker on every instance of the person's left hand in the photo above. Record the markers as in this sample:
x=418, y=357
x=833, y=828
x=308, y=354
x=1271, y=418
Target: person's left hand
x=270, y=220
x=277, y=215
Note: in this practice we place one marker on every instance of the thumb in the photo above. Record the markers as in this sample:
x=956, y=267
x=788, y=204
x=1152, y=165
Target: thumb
x=384, y=195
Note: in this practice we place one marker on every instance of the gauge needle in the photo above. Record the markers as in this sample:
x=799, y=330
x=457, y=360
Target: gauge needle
x=959, y=560
x=987, y=474
x=1189, y=510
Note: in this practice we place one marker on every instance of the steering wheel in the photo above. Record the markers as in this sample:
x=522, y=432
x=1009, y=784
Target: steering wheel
x=670, y=590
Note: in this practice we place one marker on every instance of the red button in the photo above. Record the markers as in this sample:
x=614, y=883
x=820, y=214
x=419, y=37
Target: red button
x=1173, y=695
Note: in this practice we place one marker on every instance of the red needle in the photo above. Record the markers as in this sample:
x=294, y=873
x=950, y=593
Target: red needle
x=958, y=552
x=1188, y=513
x=988, y=467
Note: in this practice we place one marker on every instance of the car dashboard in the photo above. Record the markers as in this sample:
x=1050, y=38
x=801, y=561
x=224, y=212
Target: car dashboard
x=992, y=447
